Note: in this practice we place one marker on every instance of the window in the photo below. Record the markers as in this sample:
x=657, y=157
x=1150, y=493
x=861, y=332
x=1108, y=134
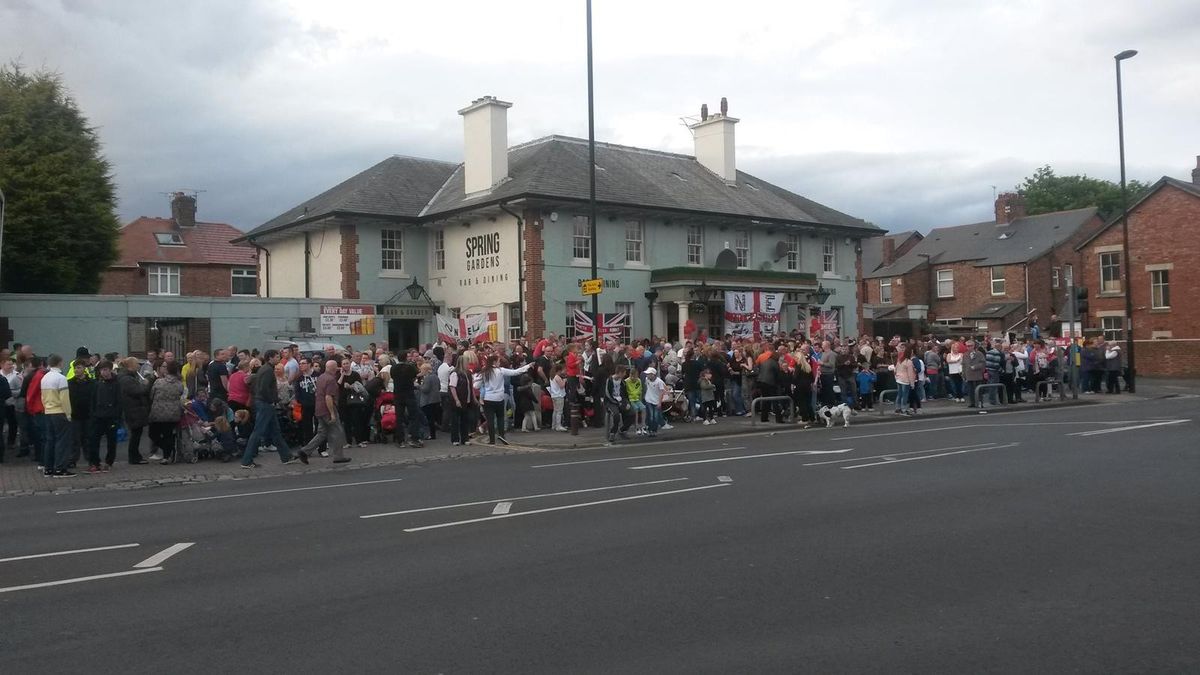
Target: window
x=569, y=329
x=391, y=247
x=1114, y=327
x=164, y=279
x=627, y=309
x=633, y=241
x=1110, y=272
x=581, y=239
x=695, y=245
x=741, y=247
x=997, y=281
x=439, y=250
x=168, y=239
x=829, y=255
x=514, y=321
x=1069, y=275
x=885, y=291
x=245, y=281
x=1160, y=290
x=945, y=283
x=793, y=252
x=1055, y=275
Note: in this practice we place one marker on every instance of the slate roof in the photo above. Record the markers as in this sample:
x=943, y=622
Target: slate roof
x=397, y=187
x=556, y=167
x=1190, y=188
x=987, y=244
x=204, y=244
x=994, y=310
x=872, y=249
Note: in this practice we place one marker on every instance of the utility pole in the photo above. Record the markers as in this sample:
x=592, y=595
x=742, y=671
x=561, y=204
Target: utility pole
x=592, y=175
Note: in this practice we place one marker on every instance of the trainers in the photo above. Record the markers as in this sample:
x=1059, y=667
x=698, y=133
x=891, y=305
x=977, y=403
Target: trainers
x=93, y=469
x=417, y=444
x=303, y=456
x=667, y=427
x=106, y=468
x=341, y=460
x=155, y=457
x=67, y=473
x=454, y=443
x=324, y=453
x=251, y=465
x=294, y=460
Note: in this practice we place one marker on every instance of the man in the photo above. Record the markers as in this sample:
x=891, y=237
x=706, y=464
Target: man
x=974, y=364
x=265, y=394
x=33, y=423
x=56, y=403
x=291, y=364
x=329, y=427
x=404, y=375
x=305, y=388
x=443, y=374
x=218, y=376
x=81, y=387
x=994, y=363
x=150, y=363
x=13, y=378
x=106, y=418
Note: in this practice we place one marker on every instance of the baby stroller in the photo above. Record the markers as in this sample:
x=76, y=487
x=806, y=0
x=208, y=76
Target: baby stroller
x=383, y=422
x=193, y=441
x=289, y=426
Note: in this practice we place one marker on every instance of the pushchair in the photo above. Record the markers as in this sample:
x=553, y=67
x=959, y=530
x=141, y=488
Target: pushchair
x=193, y=441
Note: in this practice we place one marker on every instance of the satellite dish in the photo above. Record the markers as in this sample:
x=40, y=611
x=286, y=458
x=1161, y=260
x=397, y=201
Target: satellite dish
x=726, y=260
x=781, y=249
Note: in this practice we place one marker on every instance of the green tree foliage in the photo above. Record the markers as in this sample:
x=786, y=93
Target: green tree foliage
x=1045, y=192
x=61, y=227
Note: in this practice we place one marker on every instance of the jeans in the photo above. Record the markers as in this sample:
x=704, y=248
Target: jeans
x=31, y=437
x=557, y=422
x=266, y=430
x=902, y=393
x=329, y=430
x=827, y=397
x=1113, y=386
x=848, y=386
x=735, y=395
x=103, y=427
x=956, y=385
x=693, y=399
x=493, y=411
x=60, y=439
x=654, y=417
x=135, y=442
x=412, y=417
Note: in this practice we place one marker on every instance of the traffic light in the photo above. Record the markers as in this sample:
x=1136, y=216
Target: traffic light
x=1081, y=300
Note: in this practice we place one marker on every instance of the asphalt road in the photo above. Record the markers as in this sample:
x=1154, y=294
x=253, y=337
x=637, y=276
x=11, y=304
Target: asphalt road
x=1041, y=541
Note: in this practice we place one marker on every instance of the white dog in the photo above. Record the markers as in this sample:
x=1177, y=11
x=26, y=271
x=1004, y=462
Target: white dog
x=831, y=414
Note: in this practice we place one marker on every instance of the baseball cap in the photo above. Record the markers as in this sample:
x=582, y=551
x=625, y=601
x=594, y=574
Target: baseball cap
x=651, y=371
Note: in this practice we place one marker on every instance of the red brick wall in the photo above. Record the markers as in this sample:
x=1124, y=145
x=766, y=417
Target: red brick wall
x=349, y=252
x=535, y=283
x=194, y=280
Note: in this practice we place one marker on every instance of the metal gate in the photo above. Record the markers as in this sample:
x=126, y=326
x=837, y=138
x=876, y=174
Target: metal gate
x=172, y=336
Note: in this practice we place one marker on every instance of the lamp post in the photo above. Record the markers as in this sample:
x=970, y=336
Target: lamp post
x=651, y=296
x=3, y=204
x=1127, y=54
x=592, y=175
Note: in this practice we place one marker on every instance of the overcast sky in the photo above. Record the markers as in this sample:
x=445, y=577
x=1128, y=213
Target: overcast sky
x=902, y=113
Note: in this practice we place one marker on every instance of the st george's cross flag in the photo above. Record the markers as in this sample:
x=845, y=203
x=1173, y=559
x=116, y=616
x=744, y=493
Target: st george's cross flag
x=469, y=328
x=753, y=313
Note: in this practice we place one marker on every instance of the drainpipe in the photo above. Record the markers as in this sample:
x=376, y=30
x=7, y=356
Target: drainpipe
x=1027, y=308
x=307, y=256
x=520, y=264
x=266, y=268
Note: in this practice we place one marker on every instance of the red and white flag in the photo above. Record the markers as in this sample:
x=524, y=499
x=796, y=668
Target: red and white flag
x=753, y=313
x=469, y=328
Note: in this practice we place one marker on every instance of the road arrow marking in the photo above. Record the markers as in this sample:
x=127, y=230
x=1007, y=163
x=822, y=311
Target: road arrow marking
x=725, y=479
x=502, y=508
x=78, y=550
x=161, y=557
x=79, y=580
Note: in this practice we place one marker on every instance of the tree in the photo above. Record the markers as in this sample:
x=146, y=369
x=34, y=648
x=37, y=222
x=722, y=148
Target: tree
x=61, y=228
x=1045, y=192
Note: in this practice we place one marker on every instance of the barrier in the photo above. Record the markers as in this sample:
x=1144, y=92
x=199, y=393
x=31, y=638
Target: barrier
x=885, y=392
x=1048, y=384
x=998, y=388
x=754, y=405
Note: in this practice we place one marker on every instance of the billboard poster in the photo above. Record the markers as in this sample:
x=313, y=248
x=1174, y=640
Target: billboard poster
x=347, y=320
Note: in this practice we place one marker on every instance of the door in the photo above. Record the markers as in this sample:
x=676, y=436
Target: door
x=404, y=334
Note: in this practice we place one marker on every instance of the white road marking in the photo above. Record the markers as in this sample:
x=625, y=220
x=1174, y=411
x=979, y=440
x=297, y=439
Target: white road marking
x=502, y=508
x=79, y=580
x=233, y=496
x=161, y=557
x=725, y=479
x=564, y=508
x=914, y=459
x=896, y=454
x=1097, y=432
x=621, y=459
x=72, y=552
x=513, y=499
x=734, y=459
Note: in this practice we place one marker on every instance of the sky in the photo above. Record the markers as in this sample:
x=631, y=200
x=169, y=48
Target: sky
x=906, y=114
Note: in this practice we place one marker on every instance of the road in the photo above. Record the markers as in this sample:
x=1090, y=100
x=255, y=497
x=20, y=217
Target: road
x=1051, y=541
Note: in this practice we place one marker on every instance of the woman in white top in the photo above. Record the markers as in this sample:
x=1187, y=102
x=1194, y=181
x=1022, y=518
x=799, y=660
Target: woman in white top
x=492, y=380
x=558, y=395
x=954, y=370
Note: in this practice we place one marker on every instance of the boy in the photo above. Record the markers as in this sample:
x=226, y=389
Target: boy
x=617, y=405
x=633, y=392
x=655, y=389
x=866, y=387
x=708, y=397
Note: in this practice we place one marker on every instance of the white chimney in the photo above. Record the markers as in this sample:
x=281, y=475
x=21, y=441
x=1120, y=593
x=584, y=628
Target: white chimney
x=714, y=142
x=485, y=143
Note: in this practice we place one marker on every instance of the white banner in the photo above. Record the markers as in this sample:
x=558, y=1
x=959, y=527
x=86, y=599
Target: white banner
x=469, y=328
x=753, y=313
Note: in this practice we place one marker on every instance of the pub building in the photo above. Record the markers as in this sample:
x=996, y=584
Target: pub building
x=506, y=233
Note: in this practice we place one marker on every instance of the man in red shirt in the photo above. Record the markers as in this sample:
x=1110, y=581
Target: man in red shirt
x=34, y=411
x=329, y=427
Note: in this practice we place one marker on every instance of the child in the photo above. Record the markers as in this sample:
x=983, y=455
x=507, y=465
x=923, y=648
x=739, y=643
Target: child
x=708, y=397
x=633, y=391
x=653, y=395
x=558, y=396
x=617, y=405
x=866, y=387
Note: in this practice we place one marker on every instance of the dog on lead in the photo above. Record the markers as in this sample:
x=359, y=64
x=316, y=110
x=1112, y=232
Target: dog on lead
x=832, y=413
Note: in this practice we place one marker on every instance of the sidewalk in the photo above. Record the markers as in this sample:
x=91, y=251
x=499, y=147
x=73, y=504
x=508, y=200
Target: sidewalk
x=19, y=477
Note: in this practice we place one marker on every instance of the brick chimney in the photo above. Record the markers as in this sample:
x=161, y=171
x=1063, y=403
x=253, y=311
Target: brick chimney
x=1196, y=171
x=485, y=143
x=183, y=209
x=1009, y=207
x=713, y=135
x=889, y=251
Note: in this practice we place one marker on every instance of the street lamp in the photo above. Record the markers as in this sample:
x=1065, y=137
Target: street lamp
x=1127, y=54
x=416, y=290
x=821, y=295
x=703, y=293
x=651, y=296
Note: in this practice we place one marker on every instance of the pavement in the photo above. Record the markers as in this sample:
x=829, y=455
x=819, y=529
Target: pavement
x=1048, y=539
x=19, y=477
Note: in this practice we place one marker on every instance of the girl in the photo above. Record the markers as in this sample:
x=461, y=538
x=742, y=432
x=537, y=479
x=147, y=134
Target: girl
x=708, y=397
x=633, y=391
x=558, y=395
x=954, y=369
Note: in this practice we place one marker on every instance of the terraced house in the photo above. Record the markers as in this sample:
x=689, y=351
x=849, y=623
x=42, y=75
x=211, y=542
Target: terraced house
x=506, y=232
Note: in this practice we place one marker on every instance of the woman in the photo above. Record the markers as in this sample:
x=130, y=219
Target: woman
x=166, y=408
x=239, y=390
x=802, y=387
x=736, y=367
x=492, y=393
x=195, y=379
x=558, y=396
x=906, y=376
x=954, y=369
x=355, y=405
x=462, y=398
x=429, y=397
x=135, y=405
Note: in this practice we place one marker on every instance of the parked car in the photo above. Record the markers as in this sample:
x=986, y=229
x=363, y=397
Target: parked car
x=309, y=345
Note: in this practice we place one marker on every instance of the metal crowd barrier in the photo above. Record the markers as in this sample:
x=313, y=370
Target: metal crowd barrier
x=882, y=394
x=1048, y=384
x=754, y=405
x=1000, y=391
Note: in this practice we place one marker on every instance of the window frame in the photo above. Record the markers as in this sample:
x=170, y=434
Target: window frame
x=1115, y=267
x=155, y=275
x=439, y=250
x=581, y=243
x=793, y=254
x=741, y=248
x=245, y=273
x=396, y=250
x=636, y=245
x=1001, y=280
x=628, y=308
x=569, y=328
x=1113, y=334
x=1068, y=275
x=885, y=283
x=175, y=239
x=1055, y=277
x=512, y=316
x=1163, y=298
x=829, y=256
x=939, y=281
x=697, y=244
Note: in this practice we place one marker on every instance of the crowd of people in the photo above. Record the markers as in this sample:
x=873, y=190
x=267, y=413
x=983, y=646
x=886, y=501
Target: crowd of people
x=235, y=402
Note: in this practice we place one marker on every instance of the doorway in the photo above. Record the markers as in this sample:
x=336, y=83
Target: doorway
x=404, y=334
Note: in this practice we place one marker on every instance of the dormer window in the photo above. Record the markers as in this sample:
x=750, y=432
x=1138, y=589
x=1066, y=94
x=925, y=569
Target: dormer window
x=168, y=239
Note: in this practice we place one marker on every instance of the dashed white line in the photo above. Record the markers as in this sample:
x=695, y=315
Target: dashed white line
x=914, y=459
x=233, y=496
x=1097, y=432
x=621, y=459
x=741, y=457
x=79, y=580
x=502, y=508
x=72, y=552
x=161, y=557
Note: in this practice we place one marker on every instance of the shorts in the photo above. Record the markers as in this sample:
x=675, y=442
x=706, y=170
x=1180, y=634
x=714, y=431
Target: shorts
x=637, y=406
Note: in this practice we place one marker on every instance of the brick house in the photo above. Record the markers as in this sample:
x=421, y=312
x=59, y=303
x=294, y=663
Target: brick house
x=1164, y=251
x=179, y=256
x=989, y=277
